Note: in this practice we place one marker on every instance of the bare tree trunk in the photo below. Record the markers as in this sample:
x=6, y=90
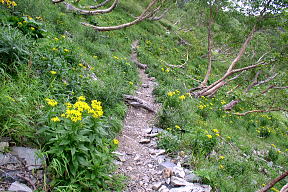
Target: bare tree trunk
x=210, y=42
x=219, y=83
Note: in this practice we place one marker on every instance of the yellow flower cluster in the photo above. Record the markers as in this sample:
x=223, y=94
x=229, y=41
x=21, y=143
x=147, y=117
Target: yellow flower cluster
x=51, y=102
x=116, y=141
x=167, y=70
x=8, y=3
x=182, y=97
x=171, y=93
x=74, y=112
x=55, y=119
x=209, y=136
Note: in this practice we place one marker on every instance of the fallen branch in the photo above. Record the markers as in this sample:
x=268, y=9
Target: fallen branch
x=144, y=15
x=273, y=182
x=89, y=12
x=260, y=111
x=57, y=1
x=273, y=87
x=137, y=102
x=99, y=5
x=229, y=106
x=134, y=55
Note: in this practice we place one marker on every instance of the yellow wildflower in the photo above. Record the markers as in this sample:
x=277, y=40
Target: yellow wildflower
x=131, y=83
x=167, y=70
x=170, y=93
x=182, y=97
x=273, y=145
x=209, y=136
x=66, y=50
x=55, y=119
x=177, y=126
x=221, y=157
x=215, y=130
x=51, y=102
x=81, y=98
x=53, y=72
x=116, y=141
x=217, y=134
x=32, y=28
x=162, y=69
x=54, y=49
x=221, y=166
x=95, y=57
x=223, y=102
x=81, y=65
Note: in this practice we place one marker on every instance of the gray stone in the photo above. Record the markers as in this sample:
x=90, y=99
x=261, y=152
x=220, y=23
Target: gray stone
x=29, y=155
x=156, y=130
x=191, y=177
x=144, y=141
x=167, y=164
x=156, y=186
x=192, y=188
x=163, y=188
x=152, y=135
x=177, y=181
x=178, y=171
x=16, y=186
x=4, y=158
x=160, y=152
x=145, y=85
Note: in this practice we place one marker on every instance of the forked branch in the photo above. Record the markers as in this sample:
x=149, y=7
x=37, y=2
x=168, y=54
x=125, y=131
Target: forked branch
x=89, y=12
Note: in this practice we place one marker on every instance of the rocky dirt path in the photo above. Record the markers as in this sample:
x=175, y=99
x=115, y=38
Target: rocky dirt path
x=136, y=145
x=146, y=166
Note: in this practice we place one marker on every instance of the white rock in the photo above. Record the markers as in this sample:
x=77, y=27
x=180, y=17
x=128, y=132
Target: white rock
x=192, y=188
x=177, y=181
x=178, y=171
x=144, y=141
x=156, y=186
x=163, y=188
x=167, y=164
x=16, y=186
x=160, y=152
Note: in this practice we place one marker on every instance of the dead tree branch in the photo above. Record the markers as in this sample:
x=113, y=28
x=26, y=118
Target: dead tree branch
x=157, y=18
x=89, y=12
x=57, y=1
x=273, y=182
x=260, y=111
x=99, y=5
x=137, y=102
x=145, y=14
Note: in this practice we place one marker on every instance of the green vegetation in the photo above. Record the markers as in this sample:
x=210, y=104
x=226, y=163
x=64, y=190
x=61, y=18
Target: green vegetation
x=51, y=65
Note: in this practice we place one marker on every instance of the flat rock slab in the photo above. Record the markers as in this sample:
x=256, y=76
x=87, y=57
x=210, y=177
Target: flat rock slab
x=16, y=186
x=192, y=188
x=29, y=155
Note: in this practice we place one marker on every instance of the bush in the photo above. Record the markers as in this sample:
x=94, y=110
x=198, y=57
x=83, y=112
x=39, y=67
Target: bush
x=14, y=48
